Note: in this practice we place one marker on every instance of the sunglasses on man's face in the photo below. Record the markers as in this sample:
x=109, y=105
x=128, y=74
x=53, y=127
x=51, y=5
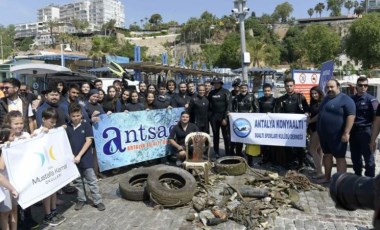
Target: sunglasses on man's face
x=5, y=87
x=362, y=85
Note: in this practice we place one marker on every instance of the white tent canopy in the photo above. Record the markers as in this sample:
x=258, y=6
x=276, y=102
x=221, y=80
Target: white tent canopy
x=36, y=69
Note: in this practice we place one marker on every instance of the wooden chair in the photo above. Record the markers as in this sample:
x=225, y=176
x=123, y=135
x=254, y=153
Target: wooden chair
x=201, y=142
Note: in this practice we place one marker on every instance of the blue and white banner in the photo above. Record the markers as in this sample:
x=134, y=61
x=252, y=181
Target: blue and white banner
x=327, y=70
x=128, y=138
x=277, y=129
x=40, y=166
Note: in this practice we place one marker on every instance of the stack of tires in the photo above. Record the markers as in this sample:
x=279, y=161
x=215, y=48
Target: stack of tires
x=165, y=185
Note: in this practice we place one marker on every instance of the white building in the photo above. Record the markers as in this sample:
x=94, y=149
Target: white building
x=102, y=11
x=344, y=63
x=96, y=12
x=48, y=13
x=30, y=29
x=373, y=3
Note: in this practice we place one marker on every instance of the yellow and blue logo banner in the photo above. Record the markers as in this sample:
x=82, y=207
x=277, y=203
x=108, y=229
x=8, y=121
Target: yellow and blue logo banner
x=128, y=138
x=40, y=166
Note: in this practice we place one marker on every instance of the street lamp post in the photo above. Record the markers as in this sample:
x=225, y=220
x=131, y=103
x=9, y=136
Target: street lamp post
x=240, y=11
x=68, y=49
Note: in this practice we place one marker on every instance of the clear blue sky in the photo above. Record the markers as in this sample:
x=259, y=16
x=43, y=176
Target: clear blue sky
x=22, y=11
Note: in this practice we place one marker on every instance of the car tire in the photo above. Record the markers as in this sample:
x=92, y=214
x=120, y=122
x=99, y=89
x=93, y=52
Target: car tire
x=182, y=192
x=132, y=186
x=230, y=165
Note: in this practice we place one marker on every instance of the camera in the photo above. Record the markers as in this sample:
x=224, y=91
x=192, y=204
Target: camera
x=352, y=192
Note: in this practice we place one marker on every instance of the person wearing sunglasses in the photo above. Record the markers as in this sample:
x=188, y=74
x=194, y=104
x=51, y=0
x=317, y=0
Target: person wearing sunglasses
x=360, y=137
x=13, y=101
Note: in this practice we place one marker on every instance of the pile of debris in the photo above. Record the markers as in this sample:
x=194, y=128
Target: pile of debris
x=251, y=204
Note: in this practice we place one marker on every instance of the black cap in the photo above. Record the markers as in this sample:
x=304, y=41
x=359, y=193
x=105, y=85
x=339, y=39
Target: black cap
x=217, y=80
x=236, y=82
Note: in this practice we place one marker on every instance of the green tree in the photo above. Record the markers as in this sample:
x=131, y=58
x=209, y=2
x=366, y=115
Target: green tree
x=211, y=53
x=320, y=43
x=134, y=27
x=362, y=43
x=79, y=25
x=23, y=45
x=228, y=23
x=102, y=46
x=8, y=35
x=319, y=8
x=283, y=11
x=262, y=53
x=156, y=20
x=230, y=56
x=256, y=26
x=335, y=7
x=293, y=49
x=267, y=19
x=109, y=27
x=310, y=12
x=348, y=5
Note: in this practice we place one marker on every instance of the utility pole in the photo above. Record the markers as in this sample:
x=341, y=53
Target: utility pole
x=240, y=11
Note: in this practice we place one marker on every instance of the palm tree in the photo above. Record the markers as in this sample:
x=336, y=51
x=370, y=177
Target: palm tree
x=52, y=24
x=256, y=47
x=348, y=5
x=310, y=12
x=319, y=8
x=335, y=7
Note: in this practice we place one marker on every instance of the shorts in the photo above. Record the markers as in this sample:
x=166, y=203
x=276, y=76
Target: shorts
x=7, y=204
x=334, y=146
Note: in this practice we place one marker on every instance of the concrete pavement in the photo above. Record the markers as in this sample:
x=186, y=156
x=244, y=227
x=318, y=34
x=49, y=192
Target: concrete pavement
x=320, y=212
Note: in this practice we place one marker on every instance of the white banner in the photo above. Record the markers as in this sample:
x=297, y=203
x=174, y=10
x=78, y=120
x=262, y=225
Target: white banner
x=278, y=129
x=40, y=166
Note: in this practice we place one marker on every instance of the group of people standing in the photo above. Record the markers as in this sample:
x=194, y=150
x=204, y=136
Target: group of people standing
x=334, y=121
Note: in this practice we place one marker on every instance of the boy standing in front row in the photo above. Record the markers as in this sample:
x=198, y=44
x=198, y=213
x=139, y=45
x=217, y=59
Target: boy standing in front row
x=80, y=136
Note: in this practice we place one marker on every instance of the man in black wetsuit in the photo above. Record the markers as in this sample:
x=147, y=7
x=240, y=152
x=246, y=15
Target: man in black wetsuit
x=292, y=102
x=198, y=109
x=181, y=99
x=244, y=102
x=234, y=93
x=220, y=105
x=162, y=100
x=266, y=105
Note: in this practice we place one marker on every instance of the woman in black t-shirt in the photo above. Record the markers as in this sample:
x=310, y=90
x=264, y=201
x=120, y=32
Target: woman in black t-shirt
x=316, y=97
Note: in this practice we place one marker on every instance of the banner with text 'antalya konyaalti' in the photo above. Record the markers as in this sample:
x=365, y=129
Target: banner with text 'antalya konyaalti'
x=277, y=129
x=128, y=138
x=40, y=166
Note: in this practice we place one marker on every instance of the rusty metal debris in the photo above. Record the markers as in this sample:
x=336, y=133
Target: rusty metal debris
x=254, y=203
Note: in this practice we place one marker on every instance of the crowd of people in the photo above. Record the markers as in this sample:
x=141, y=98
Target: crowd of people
x=334, y=121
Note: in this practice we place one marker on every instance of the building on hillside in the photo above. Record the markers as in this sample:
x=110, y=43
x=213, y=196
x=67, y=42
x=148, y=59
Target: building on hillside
x=373, y=5
x=48, y=13
x=95, y=12
x=346, y=66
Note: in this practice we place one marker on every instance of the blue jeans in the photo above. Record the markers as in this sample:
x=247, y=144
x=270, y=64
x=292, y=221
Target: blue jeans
x=359, y=146
x=89, y=178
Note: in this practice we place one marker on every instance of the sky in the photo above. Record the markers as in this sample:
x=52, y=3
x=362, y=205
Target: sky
x=23, y=11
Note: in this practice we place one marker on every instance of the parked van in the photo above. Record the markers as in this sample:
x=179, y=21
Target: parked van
x=132, y=85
